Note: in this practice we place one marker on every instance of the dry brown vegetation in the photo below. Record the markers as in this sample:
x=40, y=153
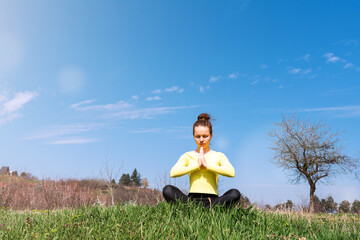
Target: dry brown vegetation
x=22, y=193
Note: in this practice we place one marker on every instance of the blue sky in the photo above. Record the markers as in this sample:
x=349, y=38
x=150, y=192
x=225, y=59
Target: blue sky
x=85, y=82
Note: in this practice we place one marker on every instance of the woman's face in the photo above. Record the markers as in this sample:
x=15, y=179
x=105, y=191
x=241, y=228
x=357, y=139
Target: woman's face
x=202, y=136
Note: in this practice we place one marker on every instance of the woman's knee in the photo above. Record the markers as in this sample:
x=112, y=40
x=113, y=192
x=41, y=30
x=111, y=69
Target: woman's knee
x=167, y=190
x=234, y=194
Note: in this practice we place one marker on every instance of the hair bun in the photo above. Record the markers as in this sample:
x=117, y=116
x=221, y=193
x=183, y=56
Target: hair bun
x=204, y=117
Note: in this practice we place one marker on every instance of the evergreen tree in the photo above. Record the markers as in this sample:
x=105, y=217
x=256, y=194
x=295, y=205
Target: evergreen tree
x=135, y=178
x=125, y=179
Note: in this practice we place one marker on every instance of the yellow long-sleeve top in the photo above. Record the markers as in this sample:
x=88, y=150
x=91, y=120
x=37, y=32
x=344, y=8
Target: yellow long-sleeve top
x=203, y=181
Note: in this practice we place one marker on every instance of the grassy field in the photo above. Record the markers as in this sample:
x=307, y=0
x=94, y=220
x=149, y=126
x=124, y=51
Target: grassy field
x=166, y=221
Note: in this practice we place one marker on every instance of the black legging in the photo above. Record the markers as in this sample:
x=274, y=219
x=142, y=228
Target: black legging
x=173, y=194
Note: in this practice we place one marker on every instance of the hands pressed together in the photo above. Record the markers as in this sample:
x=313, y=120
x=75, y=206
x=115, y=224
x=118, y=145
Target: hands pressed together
x=201, y=160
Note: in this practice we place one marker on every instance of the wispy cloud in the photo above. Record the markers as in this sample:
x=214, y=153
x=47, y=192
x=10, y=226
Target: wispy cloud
x=157, y=91
x=164, y=130
x=233, y=75
x=331, y=109
x=84, y=105
x=63, y=130
x=294, y=70
x=146, y=113
x=214, y=78
x=174, y=89
x=348, y=65
x=299, y=71
x=330, y=57
x=154, y=98
x=341, y=112
x=306, y=57
x=75, y=141
x=202, y=89
x=264, y=66
x=9, y=107
x=349, y=42
x=135, y=97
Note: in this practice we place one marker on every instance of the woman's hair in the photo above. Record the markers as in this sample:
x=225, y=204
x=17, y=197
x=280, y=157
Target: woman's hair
x=203, y=120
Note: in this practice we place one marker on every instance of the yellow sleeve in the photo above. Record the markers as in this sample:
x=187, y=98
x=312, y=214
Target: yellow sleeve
x=183, y=166
x=223, y=167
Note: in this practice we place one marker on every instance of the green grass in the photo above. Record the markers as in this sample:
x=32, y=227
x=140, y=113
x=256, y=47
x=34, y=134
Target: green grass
x=181, y=221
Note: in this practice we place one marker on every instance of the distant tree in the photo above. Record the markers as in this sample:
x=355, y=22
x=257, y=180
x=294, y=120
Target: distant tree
x=318, y=206
x=309, y=152
x=113, y=181
x=282, y=206
x=145, y=183
x=23, y=174
x=329, y=204
x=268, y=207
x=355, y=206
x=15, y=174
x=289, y=205
x=108, y=173
x=125, y=179
x=344, y=206
x=135, y=178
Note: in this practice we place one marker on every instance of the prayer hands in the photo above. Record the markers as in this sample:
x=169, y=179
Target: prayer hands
x=201, y=160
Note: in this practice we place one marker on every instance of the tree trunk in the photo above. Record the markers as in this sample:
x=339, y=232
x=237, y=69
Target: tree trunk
x=312, y=191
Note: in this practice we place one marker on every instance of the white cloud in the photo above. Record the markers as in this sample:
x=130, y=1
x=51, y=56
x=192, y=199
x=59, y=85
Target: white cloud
x=155, y=98
x=17, y=102
x=135, y=97
x=358, y=69
x=83, y=106
x=348, y=65
x=214, y=79
x=307, y=71
x=343, y=111
x=157, y=91
x=294, y=70
x=71, y=80
x=9, y=107
x=254, y=82
x=306, y=57
x=63, y=130
x=330, y=57
x=146, y=113
x=174, y=89
x=202, y=89
x=264, y=66
x=233, y=75
x=349, y=42
x=11, y=53
x=165, y=130
x=75, y=141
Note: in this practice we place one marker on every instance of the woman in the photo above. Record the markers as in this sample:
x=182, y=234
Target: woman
x=203, y=166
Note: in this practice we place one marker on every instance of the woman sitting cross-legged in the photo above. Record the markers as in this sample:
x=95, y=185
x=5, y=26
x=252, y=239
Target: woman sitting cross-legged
x=203, y=166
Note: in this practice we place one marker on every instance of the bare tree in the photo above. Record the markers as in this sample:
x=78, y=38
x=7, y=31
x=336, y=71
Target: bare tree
x=109, y=173
x=309, y=152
